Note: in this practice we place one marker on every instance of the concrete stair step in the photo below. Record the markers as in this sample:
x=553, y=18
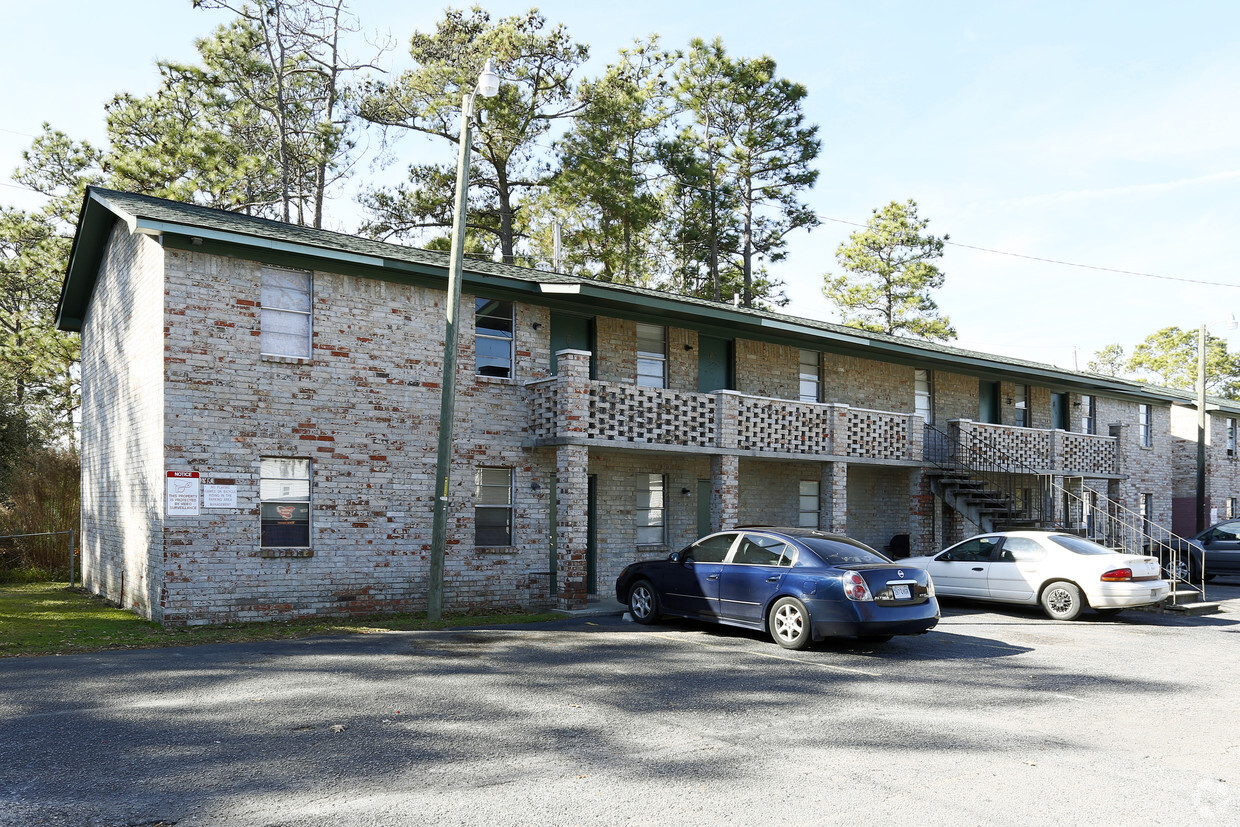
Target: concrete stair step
x=1199, y=608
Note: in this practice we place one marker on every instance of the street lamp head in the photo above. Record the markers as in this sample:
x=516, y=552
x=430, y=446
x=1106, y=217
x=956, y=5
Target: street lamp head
x=488, y=81
x=1231, y=322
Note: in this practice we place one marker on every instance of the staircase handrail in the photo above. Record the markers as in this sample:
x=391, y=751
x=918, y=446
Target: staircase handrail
x=1124, y=528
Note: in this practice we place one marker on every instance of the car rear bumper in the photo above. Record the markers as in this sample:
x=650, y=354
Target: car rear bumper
x=1124, y=595
x=863, y=619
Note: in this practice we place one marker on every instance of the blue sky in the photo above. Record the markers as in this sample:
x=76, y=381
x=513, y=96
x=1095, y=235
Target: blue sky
x=1099, y=133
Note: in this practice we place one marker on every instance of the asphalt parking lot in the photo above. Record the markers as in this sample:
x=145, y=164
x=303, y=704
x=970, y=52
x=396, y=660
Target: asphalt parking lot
x=995, y=717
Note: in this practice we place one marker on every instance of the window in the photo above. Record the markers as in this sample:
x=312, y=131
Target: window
x=493, y=507
x=1145, y=425
x=1021, y=550
x=284, y=496
x=923, y=395
x=651, y=356
x=1231, y=508
x=977, y=550
x=493, y=337
x=1020, y=402
x=1231, y=437
x=1089, y=415
x=710, y=549
x=809, y=504
x=760, y=550
x=1147, y=511
x=809, y=374
x=650, y=510
x=285, y=321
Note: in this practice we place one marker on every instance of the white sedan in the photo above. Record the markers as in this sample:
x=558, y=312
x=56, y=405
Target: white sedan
x=1060, y=572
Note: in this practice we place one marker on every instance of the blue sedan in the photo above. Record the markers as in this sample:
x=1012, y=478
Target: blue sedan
x=798, y=584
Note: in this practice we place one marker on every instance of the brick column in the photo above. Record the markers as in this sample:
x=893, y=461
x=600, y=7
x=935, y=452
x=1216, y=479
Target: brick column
x=727, y=419
x=921, y=513
x=572, y=405
x=833, y=497
x=571, y=507
x=724, y=491
x=571, y=491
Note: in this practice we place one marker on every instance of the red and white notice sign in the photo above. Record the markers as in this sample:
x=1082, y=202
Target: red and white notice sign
x=181, y=494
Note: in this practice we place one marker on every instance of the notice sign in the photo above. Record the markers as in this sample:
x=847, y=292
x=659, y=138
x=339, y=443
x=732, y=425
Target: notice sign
x=181, y=494
x=219, y=496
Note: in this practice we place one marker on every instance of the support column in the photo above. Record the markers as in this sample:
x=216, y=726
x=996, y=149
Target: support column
x=921, y=513
x=572, y=510
x=724, y=491
x=833, y=497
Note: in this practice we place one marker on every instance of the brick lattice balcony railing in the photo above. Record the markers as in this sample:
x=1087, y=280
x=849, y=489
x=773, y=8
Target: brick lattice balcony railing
x=1048, y=451
x=572, y=407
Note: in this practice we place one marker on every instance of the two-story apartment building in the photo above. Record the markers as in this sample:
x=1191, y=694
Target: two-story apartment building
x=261, y=405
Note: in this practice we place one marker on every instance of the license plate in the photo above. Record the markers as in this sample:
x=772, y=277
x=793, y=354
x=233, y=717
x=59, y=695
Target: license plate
x=901, y=592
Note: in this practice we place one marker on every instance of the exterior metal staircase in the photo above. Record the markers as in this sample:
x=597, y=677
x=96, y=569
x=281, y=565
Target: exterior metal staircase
x=998, y=493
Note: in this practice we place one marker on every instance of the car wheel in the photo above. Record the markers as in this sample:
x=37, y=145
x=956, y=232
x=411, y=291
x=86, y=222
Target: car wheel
x=1179, y=569
x=1108, y=612
x=1062, y=601
x=789, y=623
x=643, y=602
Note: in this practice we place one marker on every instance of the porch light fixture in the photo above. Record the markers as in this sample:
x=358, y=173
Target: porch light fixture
x=488, y=87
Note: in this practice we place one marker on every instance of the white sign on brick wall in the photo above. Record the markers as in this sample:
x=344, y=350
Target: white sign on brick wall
x=219, y=496
x=181, y=494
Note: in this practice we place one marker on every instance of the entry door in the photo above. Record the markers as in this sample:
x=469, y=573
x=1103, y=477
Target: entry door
x=988, y=402
x=714, y=364
x=592, y=534
x=703, y=508
x=569, y=332
x=553, y=537
x=1059, y=411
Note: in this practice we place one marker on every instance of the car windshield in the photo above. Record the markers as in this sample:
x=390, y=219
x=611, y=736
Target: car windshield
x=842, y=551
x=1079, y=545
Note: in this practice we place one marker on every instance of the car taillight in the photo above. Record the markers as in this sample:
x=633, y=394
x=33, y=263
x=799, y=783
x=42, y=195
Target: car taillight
x=1117, y=576
x=855, y=587
x=929, y=586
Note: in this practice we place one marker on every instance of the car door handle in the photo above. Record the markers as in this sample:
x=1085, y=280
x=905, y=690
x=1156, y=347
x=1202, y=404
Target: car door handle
x=978, y=568
x=712, y=577
x=774, y=579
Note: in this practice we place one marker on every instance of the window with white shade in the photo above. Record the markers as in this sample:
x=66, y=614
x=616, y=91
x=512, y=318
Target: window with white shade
x=285, y=328
x=923, y=395
x=1145, y=425
x=651, y=356
x=808, y=509
x=809, y=374
x=651, y=528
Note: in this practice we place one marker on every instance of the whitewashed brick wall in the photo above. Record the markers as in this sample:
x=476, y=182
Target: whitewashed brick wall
x=122, y=426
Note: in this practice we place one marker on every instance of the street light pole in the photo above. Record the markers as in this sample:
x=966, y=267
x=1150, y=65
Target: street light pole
x=1201, y=429
x=1201, y=423
x=488, y=86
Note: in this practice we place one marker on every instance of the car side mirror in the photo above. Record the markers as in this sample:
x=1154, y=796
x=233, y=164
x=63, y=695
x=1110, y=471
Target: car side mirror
x=674, y=557
x=946, y=558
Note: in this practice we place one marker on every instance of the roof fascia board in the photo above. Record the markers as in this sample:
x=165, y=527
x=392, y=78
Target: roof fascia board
x=715, y=320
x=154, y=227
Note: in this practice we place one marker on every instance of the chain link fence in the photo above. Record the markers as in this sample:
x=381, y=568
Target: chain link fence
x=50, y=552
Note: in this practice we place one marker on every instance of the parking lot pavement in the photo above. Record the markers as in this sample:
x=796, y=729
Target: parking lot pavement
x=995, y=717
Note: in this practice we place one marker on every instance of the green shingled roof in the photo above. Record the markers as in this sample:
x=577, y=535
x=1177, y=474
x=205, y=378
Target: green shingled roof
x=187, y=225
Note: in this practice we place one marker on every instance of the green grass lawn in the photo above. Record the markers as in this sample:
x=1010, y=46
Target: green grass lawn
x=50, y=618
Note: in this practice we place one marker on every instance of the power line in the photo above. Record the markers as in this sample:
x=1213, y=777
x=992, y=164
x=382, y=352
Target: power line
x=1059, y=262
